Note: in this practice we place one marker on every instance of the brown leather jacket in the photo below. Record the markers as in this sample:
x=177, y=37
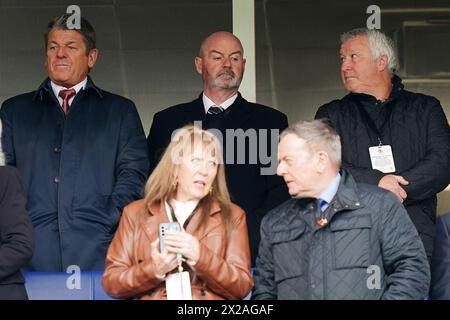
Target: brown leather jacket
x=221, y=272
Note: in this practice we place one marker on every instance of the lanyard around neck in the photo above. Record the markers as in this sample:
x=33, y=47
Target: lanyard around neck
x=174, y=218
x=369, y=121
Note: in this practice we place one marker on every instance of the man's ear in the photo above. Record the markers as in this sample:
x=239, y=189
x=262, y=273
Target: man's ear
x=382, y=62
x=199, y=65
x=92, y=57
x=322, y=160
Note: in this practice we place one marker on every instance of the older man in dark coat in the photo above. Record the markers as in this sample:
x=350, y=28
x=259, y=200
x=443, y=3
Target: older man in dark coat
x=336, y=239
x=391, y=137
x=80, y=150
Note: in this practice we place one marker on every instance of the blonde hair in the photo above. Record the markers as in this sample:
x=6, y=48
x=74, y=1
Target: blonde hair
x=161, y=182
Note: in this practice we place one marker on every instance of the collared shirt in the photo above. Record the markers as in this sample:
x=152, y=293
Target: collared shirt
x=330, y=192
x=182, y=210
x=208, y=103
x=78, y=87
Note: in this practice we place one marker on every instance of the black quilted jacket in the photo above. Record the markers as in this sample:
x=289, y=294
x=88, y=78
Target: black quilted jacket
x=418, y=132
x=369, y=234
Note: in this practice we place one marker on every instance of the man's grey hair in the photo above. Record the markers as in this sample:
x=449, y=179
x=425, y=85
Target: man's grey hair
x=379, y=44
x=2, y=155
x=318, y=135
x=86, y=30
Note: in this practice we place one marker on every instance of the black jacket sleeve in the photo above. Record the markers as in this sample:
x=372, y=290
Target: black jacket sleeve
x=276, y=188
x=404, y=259
x=431, y=174
x=155, y=142
x=132, y=161
x=440, y=262
x=16, y=233
x=276, y=191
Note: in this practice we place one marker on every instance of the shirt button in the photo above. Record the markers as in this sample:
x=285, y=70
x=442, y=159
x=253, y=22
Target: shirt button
x=313, y=286
x=56, y=180
x=57, y=150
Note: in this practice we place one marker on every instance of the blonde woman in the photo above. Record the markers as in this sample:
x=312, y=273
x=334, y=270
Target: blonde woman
x=187, y=186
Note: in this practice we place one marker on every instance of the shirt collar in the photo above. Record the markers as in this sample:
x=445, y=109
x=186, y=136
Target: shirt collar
x=208, y=103
x=331, y=190
x=57, y=88
x=182, y=210
x=45, y=87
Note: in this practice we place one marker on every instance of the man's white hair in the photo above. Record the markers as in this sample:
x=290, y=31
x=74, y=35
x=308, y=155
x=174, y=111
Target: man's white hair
x=379, y=44
x=319, y=135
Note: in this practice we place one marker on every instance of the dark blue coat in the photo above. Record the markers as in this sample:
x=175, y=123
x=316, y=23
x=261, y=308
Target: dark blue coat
x=78, y=170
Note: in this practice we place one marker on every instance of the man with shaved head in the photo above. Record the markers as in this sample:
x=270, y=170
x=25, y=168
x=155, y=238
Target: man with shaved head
x=220, y=62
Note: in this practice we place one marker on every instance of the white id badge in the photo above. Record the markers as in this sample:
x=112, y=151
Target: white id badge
x=382, y=158
x=178, y=286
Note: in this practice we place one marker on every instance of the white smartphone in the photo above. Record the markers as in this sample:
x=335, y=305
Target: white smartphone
x=163, y=228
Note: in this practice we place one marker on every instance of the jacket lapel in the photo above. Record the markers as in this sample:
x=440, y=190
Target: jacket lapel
x=240, y=112
x=194, y=111
x=156, y=215
x=346, y=197
x=202, y=231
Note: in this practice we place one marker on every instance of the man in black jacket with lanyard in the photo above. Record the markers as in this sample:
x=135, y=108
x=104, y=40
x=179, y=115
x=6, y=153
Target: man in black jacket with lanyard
x=250, y=170
x=393, y=138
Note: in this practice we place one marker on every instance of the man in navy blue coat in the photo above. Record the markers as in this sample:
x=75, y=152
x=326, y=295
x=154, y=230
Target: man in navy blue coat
x=81, y=152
